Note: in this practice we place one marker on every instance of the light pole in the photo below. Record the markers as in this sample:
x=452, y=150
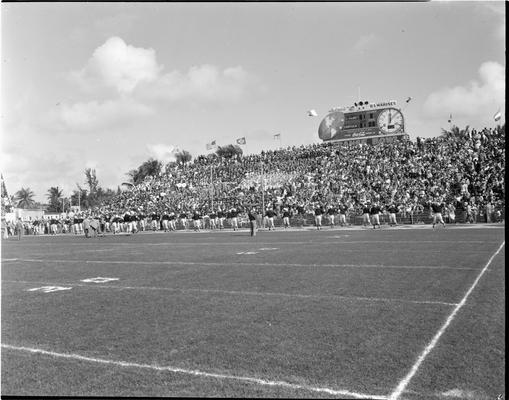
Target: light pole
x=79, y=198
x=263, y=190
x=211, y=189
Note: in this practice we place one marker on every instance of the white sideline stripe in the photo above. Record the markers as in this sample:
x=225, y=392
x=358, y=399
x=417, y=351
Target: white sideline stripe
x=238, y=292
x=312, y=242
x=247, y=379
x=404, y=382
x=273, y=242
x=213, y=264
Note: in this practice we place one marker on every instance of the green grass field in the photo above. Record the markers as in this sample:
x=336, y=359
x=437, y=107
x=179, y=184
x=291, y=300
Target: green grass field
x=351, y=313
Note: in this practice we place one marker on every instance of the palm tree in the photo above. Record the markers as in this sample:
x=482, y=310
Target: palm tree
x=92, y=181
x=150, y=167
x=80, y=197
x=55, y=199
x=229, y=151
x=24, y=197
x=455, y=131
x=183, y=157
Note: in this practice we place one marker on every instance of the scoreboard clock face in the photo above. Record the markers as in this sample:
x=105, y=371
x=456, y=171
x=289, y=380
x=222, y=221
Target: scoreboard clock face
x=390, y=120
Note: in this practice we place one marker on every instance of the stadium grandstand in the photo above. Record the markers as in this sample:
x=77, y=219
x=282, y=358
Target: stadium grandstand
x=463, y=170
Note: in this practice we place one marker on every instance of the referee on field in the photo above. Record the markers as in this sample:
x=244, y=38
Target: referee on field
x=252, y=221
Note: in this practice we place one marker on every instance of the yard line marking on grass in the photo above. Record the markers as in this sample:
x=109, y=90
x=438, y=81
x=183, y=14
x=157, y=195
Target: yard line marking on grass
x=222, y=264
x=9, y=259
x=130, y=244
x=406, y=380
x=99, y=279
x=49, y=289
x=91, y=250
x=155, y=367
x=336, y=243
x=243, y=293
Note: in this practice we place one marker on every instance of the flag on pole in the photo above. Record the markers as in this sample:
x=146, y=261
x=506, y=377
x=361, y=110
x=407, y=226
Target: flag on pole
x=312, y=113
x=497, y=115
x=408, y=100
x=277, y=136
x=241, y=140
x=211, y=145
x=450, y=118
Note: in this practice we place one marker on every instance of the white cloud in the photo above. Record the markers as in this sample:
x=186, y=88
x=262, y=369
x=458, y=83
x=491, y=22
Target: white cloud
x=162, y=152
x=39, y=172
x=365, y=42
x=118, y=65
x=131, y=70
x=98, y=115
x=475, y=99
x=202, y=83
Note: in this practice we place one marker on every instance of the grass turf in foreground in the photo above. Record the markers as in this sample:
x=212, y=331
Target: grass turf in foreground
x=358, y=346
x=469, y=360
x=317, y=342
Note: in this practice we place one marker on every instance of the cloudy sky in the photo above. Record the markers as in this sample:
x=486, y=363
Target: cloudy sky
x=109, y=85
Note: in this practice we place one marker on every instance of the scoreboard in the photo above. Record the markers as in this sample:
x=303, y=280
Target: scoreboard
x=363, y=120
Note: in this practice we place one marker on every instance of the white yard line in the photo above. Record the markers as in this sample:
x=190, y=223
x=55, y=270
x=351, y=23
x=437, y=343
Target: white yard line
x=213, y=264
x=235, y=292
x=311, y=242
x=246, y=379
x=338, y=241
x=406, y=380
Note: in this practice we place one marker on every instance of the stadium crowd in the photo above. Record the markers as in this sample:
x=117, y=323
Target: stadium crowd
x=460, y=174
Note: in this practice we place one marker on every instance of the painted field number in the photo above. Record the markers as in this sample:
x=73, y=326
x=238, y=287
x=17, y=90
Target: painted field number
x=49, y=289
x=99, y=279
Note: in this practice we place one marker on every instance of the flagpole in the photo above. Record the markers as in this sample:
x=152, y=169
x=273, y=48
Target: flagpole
x=211, y=189
x=263, y=192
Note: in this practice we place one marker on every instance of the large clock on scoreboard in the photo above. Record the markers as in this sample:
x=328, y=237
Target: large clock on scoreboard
x=390, y=121
x=362, y=121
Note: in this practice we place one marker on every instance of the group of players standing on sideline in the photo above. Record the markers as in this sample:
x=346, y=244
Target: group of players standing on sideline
x=134, y=220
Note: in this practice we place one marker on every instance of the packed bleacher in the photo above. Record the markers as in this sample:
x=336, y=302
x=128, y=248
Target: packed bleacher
x=466, y=171
x=462, y=172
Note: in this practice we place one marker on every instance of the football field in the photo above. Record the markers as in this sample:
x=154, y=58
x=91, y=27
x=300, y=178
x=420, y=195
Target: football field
x=396, y=313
